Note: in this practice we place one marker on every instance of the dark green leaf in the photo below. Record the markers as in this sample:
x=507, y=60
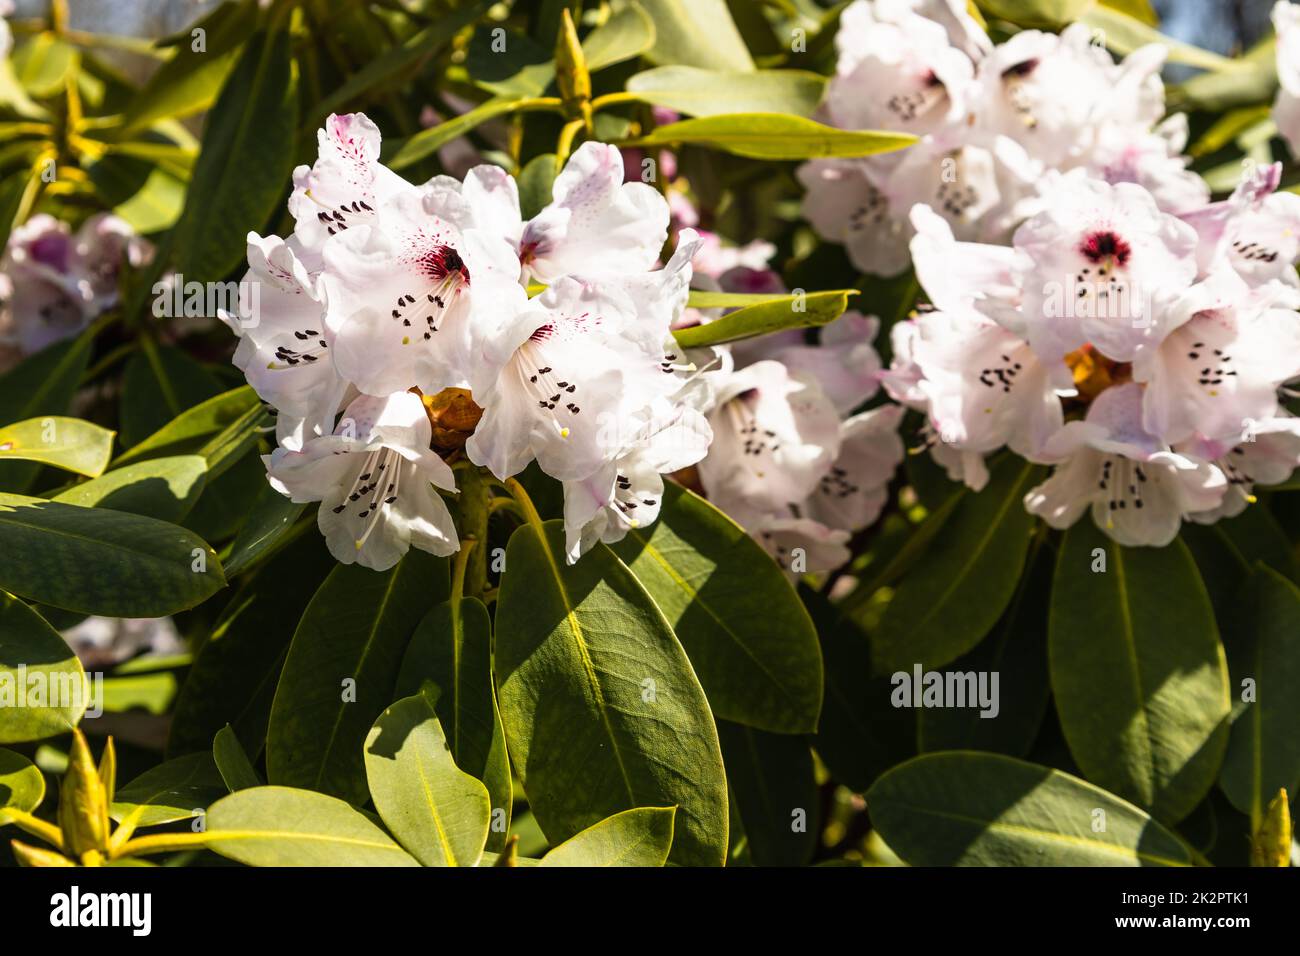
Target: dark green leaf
x=770, y=777
x=43, y=689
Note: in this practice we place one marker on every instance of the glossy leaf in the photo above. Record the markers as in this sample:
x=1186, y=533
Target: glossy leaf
x=601, y=708
x=232, y=763
x=452, y=647
x=761, y=315
x=947, y=604
x=757, y=659
x=43, y=689
x=190, y=431
x=770, y=778
x=247, y=156
x=628, y=33
x=281, y=826
x=641, y=836
x=696, y=33
x=696, y=92
x=178, y=789
x=439, y=813
x=341, y=671
x=773, y=136
x=1263, y=754
x=963, y=808
x=1138, y=673
x=22, y=785
x=163, y=488
x=160, y=383
x=67, y=443
x=102, y=562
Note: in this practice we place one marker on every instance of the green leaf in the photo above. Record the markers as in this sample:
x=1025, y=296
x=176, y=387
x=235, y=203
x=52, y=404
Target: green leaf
x=964, y=808
x=397, y=60
x=400, y=153
x=1138, y=673
x=1017, y=652
x=758, y=661
x=511, y=65
x=536, y=181
x=452, y=647
x=341, y=670
x=22, y=785
x=228, y=447
x=1263, y=753
x=43, y=384
x=233, y=677
x=1252, y=80
x=263, y=531
x=628, y=33
x=35, y=660
x=861, y=734
x=947, y=604
x=697, y=92
x=281, y=826
x=245, y=162
x=770, y=777
x=163, y=488
x=439, y=813
x=773, y=136
x=1124, y=34
x=43, y=64
x=178, y=789
x=761, y=315
x=156, y=205
x=192, y=429
x=601, y=708
x=641, y=836
x=160, y=383
x=696, y=33
x=189, y=82
x=232, y=763
x=68, y=443
x=102, y=562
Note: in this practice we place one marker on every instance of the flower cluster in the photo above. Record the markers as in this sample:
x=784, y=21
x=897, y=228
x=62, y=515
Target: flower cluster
x=54, y=282
x=992, y=121
x=1164, y=339
x=388, y=294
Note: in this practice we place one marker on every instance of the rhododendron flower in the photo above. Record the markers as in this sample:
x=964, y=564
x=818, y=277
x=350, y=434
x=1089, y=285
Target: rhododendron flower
x=1100, y=264
x=375, y=478
x=1138, y=489
x=285, y=339
x=583, y=355
x=1265, y=453
x=59, y=281
x=1255, y=232
x=596, y=224
x=774, y=437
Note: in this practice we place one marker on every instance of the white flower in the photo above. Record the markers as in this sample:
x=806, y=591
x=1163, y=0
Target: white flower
x=1052, y=94
x=417, y=293
x=774, y=437
x=1139, y=490
x=1152, y=160
x=1266, y=453
x=584, y=358
x=844, y=363
x=854, y=489
x=1100, y=264
x=1286, y=108
x=919, y=82
x=374, y=479
x=1255, y=232
x=284, y=345
x=801, y=545
x=597, y=224
x=983, y=387
x=1222, y=365
x=346, y=185
x=628, y=492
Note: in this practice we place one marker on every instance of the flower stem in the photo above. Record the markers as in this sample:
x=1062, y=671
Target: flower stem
x=36, y=827
x=564, y=145
x=458, y=568
x=162, y=843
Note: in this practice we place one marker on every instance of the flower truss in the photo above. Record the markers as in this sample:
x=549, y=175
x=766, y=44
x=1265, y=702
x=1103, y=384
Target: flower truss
x=388, y=293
